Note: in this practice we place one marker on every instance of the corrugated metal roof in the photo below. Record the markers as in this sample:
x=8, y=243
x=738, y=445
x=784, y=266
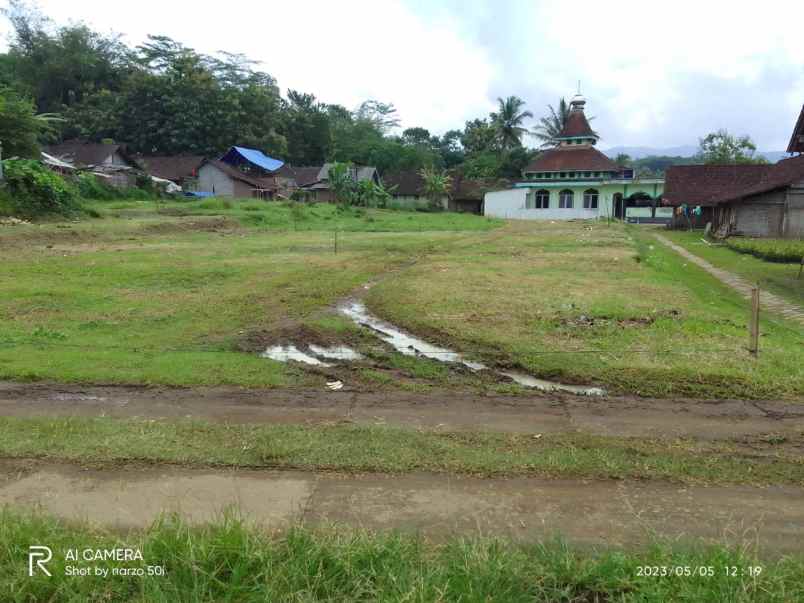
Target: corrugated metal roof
x=236, y=155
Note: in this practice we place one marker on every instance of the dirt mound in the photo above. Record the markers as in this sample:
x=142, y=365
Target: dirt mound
x=287, y=334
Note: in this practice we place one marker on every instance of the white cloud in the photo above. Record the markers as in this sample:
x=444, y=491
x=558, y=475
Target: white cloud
x=654, y=73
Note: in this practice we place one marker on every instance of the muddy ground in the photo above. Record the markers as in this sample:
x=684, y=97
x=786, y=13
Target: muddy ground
x=597, y=512
x=449, y=410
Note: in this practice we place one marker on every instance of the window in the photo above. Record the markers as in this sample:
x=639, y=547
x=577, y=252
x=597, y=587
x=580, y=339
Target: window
x=588, y=174
x=565, y=199
x=542, y=200
x=562, y=175
x=590, y=199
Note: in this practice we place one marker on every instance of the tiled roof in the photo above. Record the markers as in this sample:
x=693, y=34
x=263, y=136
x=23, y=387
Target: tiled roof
x=266, y=182
x=577, y=125
x=780, y=174
x=411, y=184
x=407, y=184
x=714, y=184
x=797, y=139
x=572, y=157
x=174, y=168
x=83, y=153
x=303, y=175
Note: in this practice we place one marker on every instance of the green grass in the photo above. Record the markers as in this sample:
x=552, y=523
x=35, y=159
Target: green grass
x=231, y=561
x=772, y=250
x=778, y=278
x=147, y=297
x=169, y=300
x=272, y=215
x=591, y=303
x=392, y=450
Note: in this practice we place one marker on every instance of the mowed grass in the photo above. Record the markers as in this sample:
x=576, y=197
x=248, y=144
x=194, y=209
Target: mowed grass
x=230, y=560
x=163, y=299
x=779, y=278
x=395, y=450
x=594, y=303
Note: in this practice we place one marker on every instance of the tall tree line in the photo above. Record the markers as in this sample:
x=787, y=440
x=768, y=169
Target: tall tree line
x=164, y=98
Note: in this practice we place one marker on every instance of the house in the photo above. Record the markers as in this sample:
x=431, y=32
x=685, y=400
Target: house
x=108, y=160
x=753, y=200
x=465, y=194
x=574, y=180
x=292, y=178
x=241, y=172
x=181, y=170
x=319, y=189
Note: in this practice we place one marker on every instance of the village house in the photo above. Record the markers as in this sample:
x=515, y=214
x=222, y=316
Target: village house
x=241, y=172
x=574, y=180
x=465, y=195
x=319, y=190
x=181, y=170
x=765, y=200
x=106, y=160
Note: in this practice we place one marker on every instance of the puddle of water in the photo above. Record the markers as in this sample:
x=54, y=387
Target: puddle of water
x=338, y=352
x=403, y=342
x=77, y=398
x=411, y=346
x=552, y=386
x=284, y=353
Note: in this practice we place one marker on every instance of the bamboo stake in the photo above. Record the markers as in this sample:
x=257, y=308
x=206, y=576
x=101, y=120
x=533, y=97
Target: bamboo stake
x=753, y=326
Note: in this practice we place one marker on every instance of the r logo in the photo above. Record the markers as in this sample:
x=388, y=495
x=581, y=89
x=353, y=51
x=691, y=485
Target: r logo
x=42, y=554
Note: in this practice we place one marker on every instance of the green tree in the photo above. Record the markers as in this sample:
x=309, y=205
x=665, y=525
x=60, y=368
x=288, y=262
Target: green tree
x=507, y=122
x=722, y=148
x=436, y=185
x=550, y=126
x=19, y=125
x=623, y=159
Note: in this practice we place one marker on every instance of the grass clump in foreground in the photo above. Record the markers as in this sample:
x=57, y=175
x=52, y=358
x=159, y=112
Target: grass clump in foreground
x=230, y=561
x=390, y=450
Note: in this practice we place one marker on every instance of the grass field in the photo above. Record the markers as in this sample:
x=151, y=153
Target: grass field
x=606, y=304
x=179, y=296
x=231, y=561
x=397, y=450
x=778, y=278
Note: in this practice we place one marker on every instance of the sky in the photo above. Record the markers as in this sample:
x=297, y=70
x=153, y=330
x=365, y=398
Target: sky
x=655, y=74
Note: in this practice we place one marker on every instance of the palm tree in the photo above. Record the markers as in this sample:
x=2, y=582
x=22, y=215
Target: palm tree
x=508, y=120
x=550, y=127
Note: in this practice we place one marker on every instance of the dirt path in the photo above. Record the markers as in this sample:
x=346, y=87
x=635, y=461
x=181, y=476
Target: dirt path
x=608, y=513
x=448, y=410
x=767, y=300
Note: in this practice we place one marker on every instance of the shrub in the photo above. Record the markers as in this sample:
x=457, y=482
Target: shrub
x=34, y=190
x=92, y=187
x=771, y=250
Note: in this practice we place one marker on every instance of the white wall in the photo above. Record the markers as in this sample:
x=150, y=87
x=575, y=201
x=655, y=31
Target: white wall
x=510, y=203
x=213, y=180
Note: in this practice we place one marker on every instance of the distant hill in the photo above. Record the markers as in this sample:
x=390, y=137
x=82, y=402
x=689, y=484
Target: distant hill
x=681, y=151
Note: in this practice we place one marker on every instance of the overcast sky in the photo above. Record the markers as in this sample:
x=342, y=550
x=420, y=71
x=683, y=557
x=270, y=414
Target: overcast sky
x=654, y=74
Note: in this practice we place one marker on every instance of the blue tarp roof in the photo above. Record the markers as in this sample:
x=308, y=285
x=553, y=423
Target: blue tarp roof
x=237, y=155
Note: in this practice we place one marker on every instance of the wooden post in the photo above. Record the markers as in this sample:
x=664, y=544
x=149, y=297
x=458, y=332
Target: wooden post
x=753, y=325
x=336, y=242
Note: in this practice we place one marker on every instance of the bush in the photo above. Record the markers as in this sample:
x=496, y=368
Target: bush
x=34, y=190
x=92, y=187
x=771, y=250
